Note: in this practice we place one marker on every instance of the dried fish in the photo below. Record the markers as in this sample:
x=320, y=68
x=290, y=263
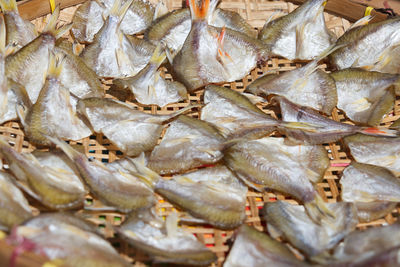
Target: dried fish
x=173, y=28
x=14, y=208
x=213, y=195
x=75, y=75
x=54, y=112
x=363, y=49
x=19, y=31
x=67, y=242
x=112, y=186
x=365, y=96
x=28, y=66
x=87, y=21
x=164, y=241
x=325, y=130
x=293, y=223
x=150, y=88
x=367, y=183
x=112, y=54
x=254, y=248
x=306, y=86
x=131, y=130
x=372, y=211
x=68, y=218
x=302, y=34
x=188, y=143
x=52, y=182
x=234, y=114
x=361, y=245
x=16, y=96
x=215, y=55
x=379, y=151
x=268, y=163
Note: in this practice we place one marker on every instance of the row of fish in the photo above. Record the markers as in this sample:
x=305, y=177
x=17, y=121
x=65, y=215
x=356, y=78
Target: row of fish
x=56, y=93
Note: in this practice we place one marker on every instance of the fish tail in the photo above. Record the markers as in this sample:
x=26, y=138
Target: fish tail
x=158, y=56
x=51, y=26
x=8, y=5
x=205, y=9
x=146, y=175
x=379, y=131
x=119, y=10
x=181, y=111
x=68, y=150
x=55, y=65
x=318, y=210
x=361, y=22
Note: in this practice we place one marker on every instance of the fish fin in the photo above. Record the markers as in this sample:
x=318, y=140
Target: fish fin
x=160, y=10
x=379, y=131
x=146, y=175
x=273, y=17
x=299, y=37
x=55, y=64
x=2, y=36
x=158, y=56
x=170, y=54
x=202, y=12
x=318, y=210
x=361, y=22
x=119, y=10
x=52, y=23
x=8, y=5
x=181, y=111
x=121, y=57
x=171, y=224
x=21, y=113
x=68, y=150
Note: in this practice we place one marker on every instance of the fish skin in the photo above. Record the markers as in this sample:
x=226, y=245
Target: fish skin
x=54, y=112
x=188, y=143
x=306, y=86
x=302, y=34
x=254, y=248
x=87, y=21
x=212, y=194
x=293, y=223
x=380, y=151
x=372, y=211
x=150, y=88
x=16, y=96
x=28, y=66
x=164, y=241
x=55, y=189
x=234, y=115
x=80, y=80
x=113, y=187
x=14, y=208
x=173, y=28
x=215, y=55
x=116, y=58
x=65, y=217
x=365, y=96
x=268, y=163
x=361, y=245
x=65, y=241
x=19, y=31
x=325, y=130
x=131, y=130
x=367, y=183
x=376, y=56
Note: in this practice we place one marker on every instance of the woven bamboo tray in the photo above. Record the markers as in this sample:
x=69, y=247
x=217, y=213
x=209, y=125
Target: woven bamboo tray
x=97, y=146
